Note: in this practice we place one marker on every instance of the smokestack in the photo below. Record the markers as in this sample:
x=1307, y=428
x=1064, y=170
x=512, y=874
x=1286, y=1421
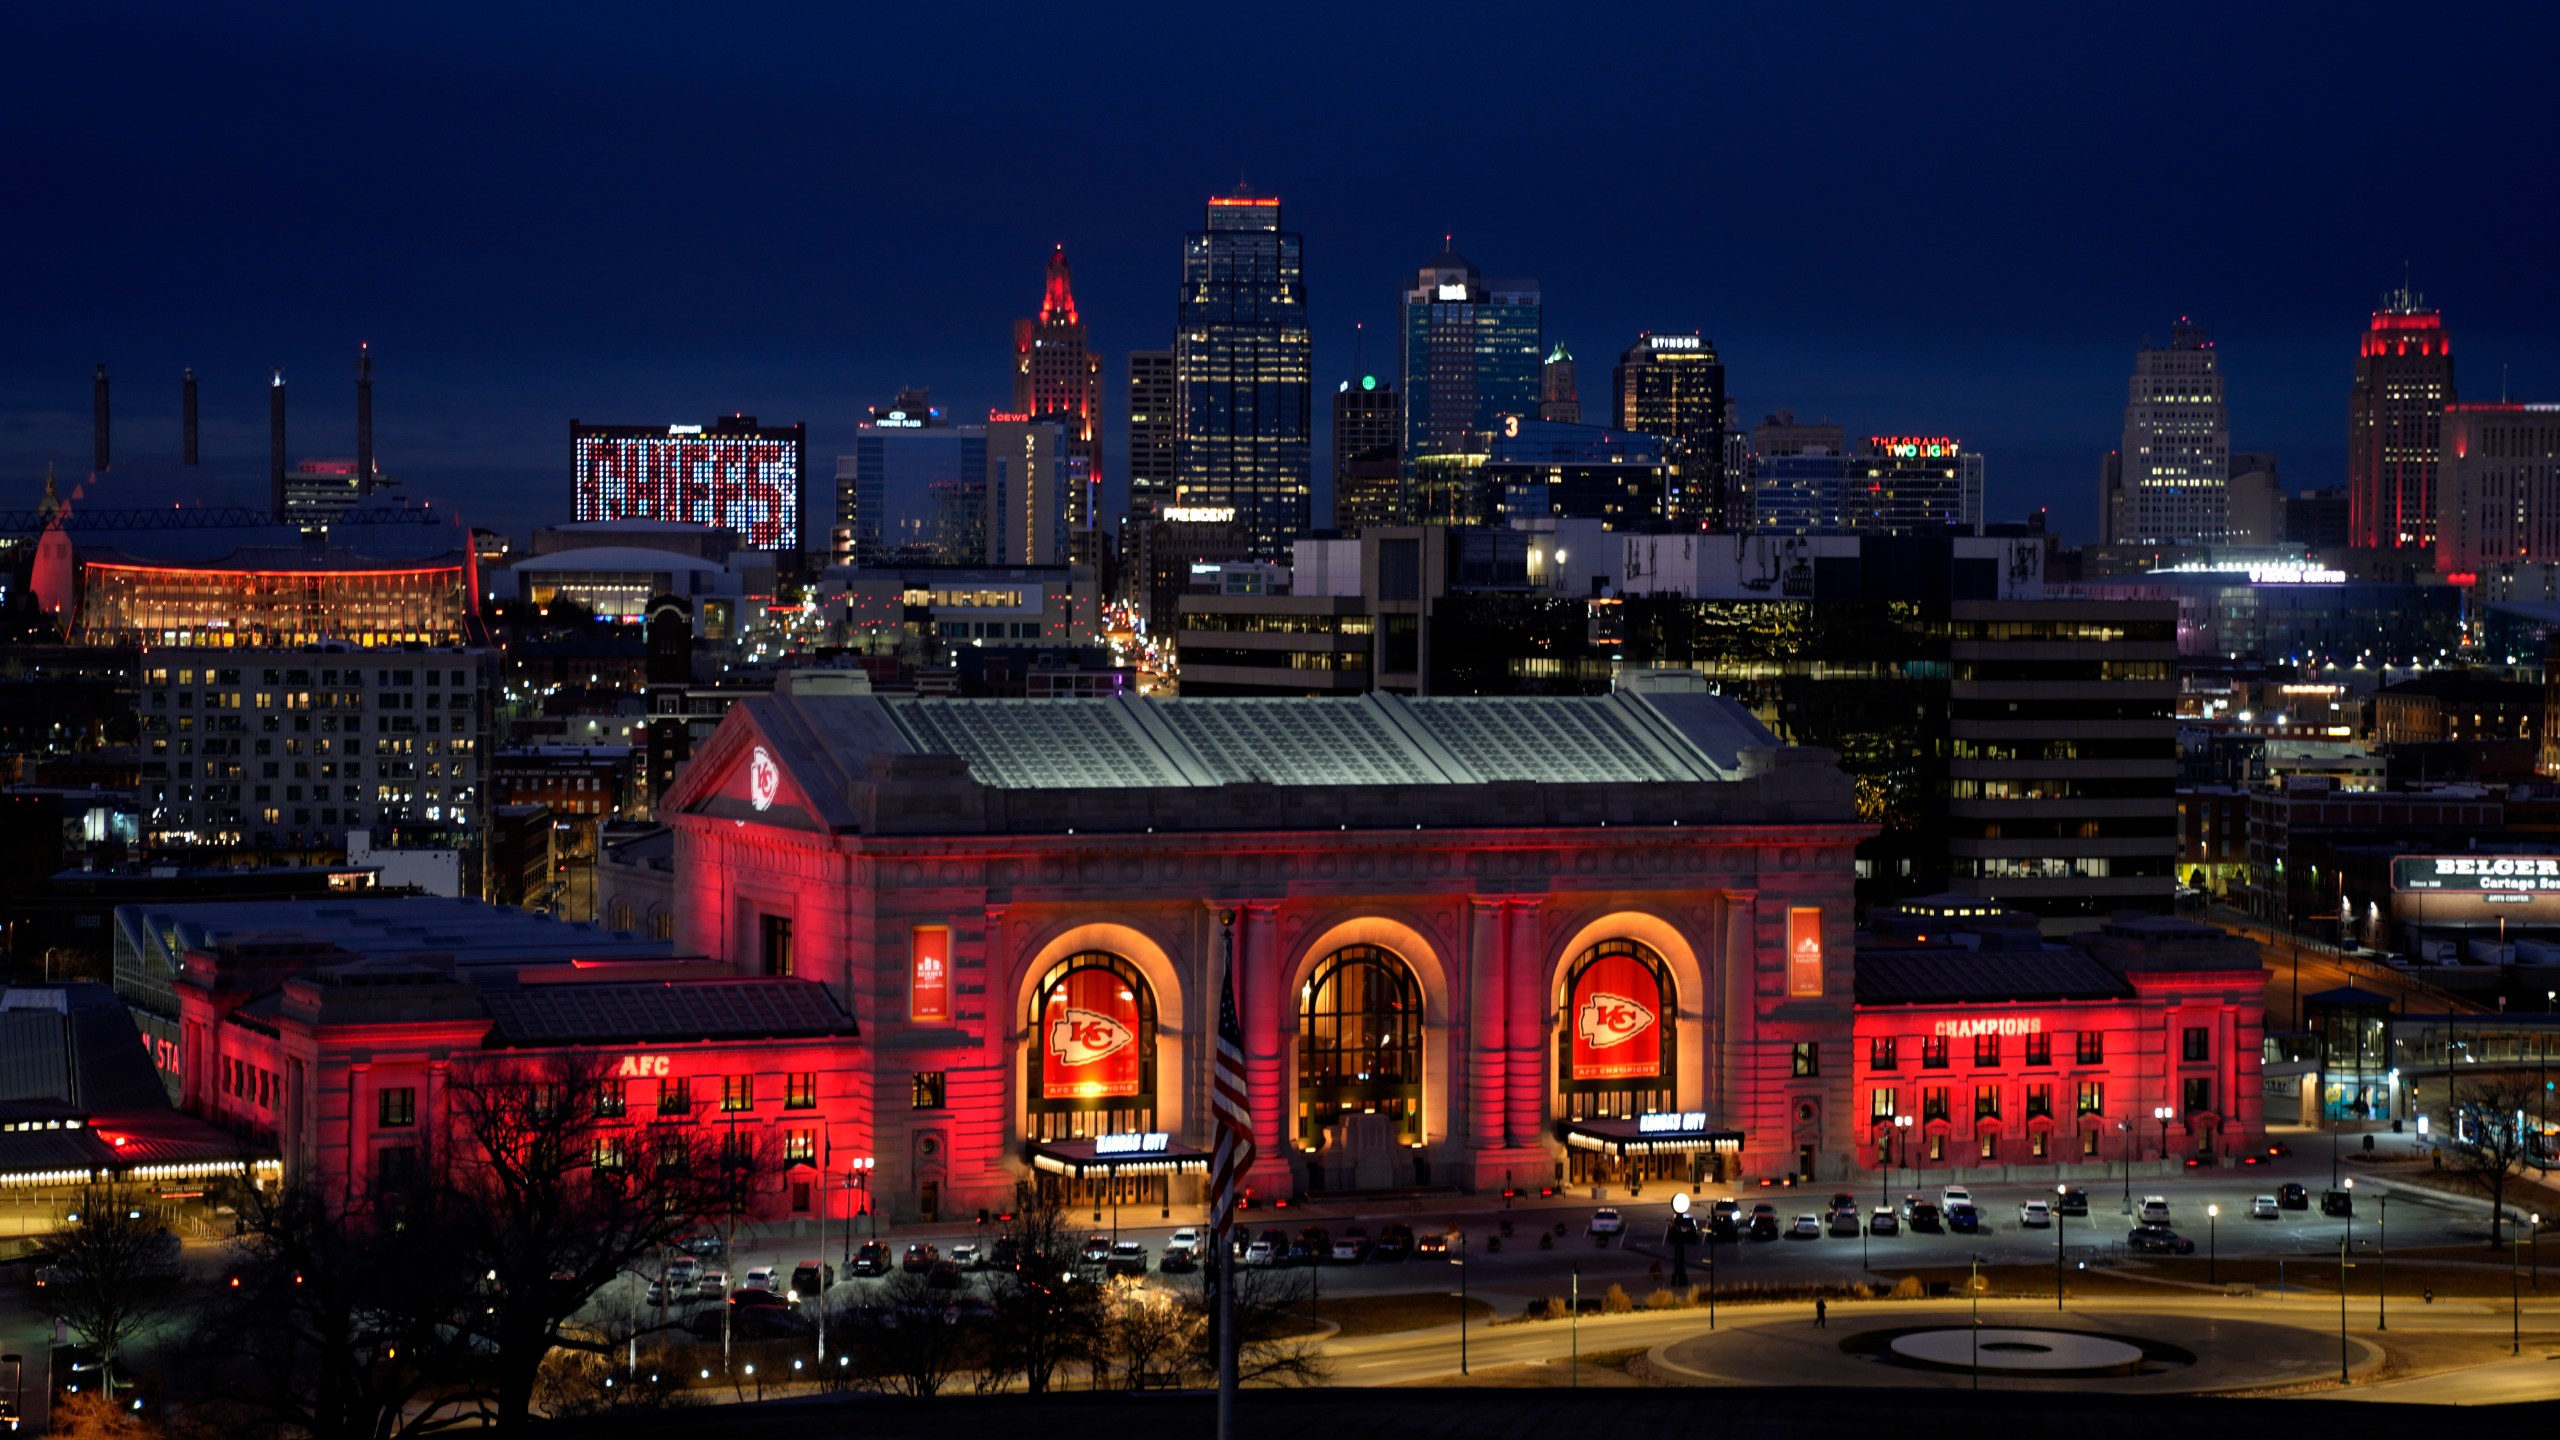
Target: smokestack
x=187, y=418
x=364, y=418
x=98, y=418
x=275, y=446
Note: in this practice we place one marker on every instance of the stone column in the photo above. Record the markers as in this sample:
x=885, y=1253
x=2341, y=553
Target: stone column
x=1485, y=1028
x=1529, y=1025
x=1734, y=1096
x=1261, y=991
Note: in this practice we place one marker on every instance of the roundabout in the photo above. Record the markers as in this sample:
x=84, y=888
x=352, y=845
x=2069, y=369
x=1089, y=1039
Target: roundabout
x=2006, y=1350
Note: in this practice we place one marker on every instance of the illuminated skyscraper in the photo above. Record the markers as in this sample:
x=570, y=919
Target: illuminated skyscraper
x=1057, y=379
x=1673, y=386
x=731, y=472
x=1244, y=372
x=1368, y=423
x=1473, y=353
x=1558, y=397
x=2176, y=462
x=2395, y=425
x=1153, y=401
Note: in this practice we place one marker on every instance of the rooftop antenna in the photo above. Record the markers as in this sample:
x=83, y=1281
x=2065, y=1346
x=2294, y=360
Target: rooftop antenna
x=1359, y=337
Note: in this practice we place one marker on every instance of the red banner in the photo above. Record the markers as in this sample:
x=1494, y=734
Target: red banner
x=929, y=985
x=1804, y=951
x=1617, y=1019
x=1089, y=1038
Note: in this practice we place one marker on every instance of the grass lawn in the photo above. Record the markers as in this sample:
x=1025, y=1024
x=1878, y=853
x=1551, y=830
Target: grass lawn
x=1418, y=1310
x=2476, y=1273
x=1603, y=1370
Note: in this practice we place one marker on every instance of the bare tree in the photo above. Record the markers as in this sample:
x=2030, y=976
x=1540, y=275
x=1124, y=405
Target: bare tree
x=544, y=1189
x=1152, y=1334
x=1048, y=1314
x=908, y=1342
x=332, y=1326
x=1273, y=1345
x=2487, y=1138
x=114, y=1272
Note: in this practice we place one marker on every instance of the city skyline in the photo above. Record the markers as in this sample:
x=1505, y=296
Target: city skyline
x=497, y=309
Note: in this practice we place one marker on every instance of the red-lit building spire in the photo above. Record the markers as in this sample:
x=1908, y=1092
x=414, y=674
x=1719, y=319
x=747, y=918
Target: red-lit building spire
x=1057, y=377
x=1058, y=303
x=2395, y=424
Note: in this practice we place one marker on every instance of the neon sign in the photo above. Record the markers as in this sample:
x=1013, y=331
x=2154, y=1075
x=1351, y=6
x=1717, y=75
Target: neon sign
x=642, y=1067
x=1914, y=447
x=1199, y=514
x=1994, y=1025
x=1673, y=342
x=1679, y=1122
x=2536, y=873
x=1153, y=1142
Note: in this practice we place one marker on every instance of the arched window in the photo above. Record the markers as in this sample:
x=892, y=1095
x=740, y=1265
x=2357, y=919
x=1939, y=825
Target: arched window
x=1091, y=1067
x=1359, y=1043
x=1618, y=1043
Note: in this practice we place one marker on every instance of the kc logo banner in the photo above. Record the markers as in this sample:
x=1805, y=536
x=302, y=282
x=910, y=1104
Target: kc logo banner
x=1081, y=1037
x=1618, y=1025
x=1607, y=1020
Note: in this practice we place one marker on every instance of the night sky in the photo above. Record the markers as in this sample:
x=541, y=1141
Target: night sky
x=1900, y=218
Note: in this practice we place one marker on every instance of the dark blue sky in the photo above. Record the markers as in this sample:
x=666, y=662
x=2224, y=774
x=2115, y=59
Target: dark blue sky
x=1905, y=219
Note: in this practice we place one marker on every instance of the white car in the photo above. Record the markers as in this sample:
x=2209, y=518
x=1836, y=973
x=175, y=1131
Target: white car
x=1954, y=1195
x=714, y=1285
x=2155, y=1210
x=684, y=1271
x=1259, y=1253
x=760, y=1278
x=1807, y=1227
x=1184, y=1245
x=2264, y=1208
x=1607, y=1221
x=2035, y=1214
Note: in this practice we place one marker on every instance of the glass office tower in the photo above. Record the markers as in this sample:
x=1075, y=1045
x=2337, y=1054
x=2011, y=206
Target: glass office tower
x=1244, y=366
x=1473, y=353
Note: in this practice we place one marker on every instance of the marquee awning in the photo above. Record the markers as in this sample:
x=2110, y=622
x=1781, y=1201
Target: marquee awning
x=1648, y=1135
x=1149, y=1154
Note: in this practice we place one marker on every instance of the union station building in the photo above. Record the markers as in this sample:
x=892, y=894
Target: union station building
x=939, y=947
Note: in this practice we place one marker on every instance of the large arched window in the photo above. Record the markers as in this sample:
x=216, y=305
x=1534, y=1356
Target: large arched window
x=1091, y=1067
x=1359, y=1043
x=1618, y=1043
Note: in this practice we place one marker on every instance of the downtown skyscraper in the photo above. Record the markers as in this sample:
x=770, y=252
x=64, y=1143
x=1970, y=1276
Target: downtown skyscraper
x=2395, y=425
x=2170, y=485
x=1244, y=362
x=1472, y=353
x=1058, y=378
x=1672, y=386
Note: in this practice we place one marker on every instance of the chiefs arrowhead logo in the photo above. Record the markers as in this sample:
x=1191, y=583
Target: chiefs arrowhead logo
x=1080, y=1037
x=1605, y=1020
x=764, y=779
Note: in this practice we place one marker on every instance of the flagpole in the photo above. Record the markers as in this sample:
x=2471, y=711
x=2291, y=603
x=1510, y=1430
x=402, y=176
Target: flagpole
x=1222, y=1228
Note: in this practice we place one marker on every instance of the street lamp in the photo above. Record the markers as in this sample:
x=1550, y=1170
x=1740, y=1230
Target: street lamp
x=1902, y=1126
x=1460, y=1260
x=2382, y=1271
x=17, y=1388
x=2515, y=1302
x=2162, y=1113
x=2212, y=1242
x=1679, y=1239
x=2124, y=1149
x=2058, y=1192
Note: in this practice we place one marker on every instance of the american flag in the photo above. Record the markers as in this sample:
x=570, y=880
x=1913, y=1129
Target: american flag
x=1227, y=1098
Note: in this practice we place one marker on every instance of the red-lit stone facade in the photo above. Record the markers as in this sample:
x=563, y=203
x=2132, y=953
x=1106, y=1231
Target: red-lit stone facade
x=1429, y=998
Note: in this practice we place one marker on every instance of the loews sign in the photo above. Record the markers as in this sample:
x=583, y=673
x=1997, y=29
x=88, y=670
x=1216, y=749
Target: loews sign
x=2528, y=873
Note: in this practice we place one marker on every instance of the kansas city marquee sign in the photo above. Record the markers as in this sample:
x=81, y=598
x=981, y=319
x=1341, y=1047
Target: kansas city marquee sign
x=2531, y=873
x=1152, y=1142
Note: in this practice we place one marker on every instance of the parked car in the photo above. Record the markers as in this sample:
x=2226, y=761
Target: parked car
x=1884, y=1222
x=1311, y=1247
x=703, y=1247
x=1434, y=1243
x=1127, y=1258
x=1357, y=1237
x=2154, y=1211
x=2264, y=1208
x=1963, y=1219
x=760, y=1278
x=1764, y=1222
x=969, y=1255
x=1097, y=1249
x=2337, y=1202
x=663, y=1291
x=684, y=1271
x=2160, y=1239
x=1724, y=1219
x=1920, y=1213
x=871, y=1259
x=2036, y=1214
x=751, y=1297
x=2073, y=1202
x=1394, y=1242
x=1953, y=1196
x=2293, y=1197
x=1261, y=1253
x=1841, y=1200
x=1182, y=1251
x=1007, y=1255
x=714, y=1285
x=1806, y=1227
x=811, y=1279
x=1844, y=1220
x=1683, y=1230
x=919, y=1259
x=1607, y=1221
